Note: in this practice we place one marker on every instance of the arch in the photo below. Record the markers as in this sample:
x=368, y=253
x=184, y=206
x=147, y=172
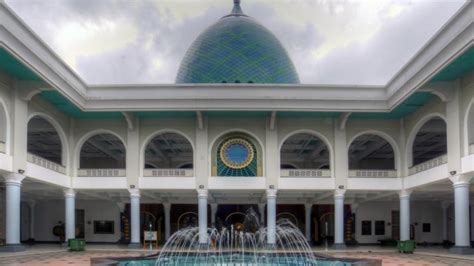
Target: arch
x=291, y=215
x=65, y=159
x=154, y=134
x=320, y=136
x=469, y=127
x=187, y=165
x=224, y=133
x=178, y=222
x=414, y=131
x=235, y=130
x=87, y=136
x=234, y=213
x=386, y=137
x=290, y=165
x=7, y=126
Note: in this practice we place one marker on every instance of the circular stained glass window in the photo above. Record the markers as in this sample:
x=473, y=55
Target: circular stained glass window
x=236, y=153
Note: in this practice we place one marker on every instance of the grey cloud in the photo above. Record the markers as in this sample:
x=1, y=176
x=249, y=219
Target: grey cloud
x=373, y=63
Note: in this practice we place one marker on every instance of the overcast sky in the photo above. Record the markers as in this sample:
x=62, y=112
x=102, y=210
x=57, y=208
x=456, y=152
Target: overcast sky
x=330, y=42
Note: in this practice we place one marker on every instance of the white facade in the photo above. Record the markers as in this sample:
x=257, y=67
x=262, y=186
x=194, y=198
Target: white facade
x=371, y=194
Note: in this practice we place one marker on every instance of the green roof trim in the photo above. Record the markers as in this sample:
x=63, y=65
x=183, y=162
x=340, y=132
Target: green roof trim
x=237, y=114
x=457, y=68
x=165, y=114
x=68, y=108
x=13, y=67
x=308, y=114
x=409, y=106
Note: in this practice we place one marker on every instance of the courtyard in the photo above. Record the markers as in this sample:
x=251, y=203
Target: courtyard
x=55, y=255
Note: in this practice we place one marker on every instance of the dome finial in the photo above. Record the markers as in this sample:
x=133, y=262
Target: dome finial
x=237, y=9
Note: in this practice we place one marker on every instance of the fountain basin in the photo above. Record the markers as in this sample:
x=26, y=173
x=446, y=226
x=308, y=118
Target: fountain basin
x=235, y=259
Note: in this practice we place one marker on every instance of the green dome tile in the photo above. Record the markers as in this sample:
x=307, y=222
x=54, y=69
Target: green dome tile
x=237, y=48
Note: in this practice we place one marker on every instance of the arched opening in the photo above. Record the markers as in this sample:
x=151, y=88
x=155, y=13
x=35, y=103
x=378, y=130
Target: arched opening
x=236, y=154
x=103, y=151
x=470, y=128
x=304, y=151
x=43, y=140
x=430, y=141
x=371, y=152
x=169, y=151
x=3, y=129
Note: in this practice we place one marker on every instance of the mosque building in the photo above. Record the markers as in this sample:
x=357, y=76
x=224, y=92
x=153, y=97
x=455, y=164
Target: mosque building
x=237, y=132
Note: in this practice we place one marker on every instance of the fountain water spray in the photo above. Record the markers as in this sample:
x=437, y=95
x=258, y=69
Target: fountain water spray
x=238, y=246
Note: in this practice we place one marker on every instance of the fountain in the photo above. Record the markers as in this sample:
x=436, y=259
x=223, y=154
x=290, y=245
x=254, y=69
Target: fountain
x=245, y=244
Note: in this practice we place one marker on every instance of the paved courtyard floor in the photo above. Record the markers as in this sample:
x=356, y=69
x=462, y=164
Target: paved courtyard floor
x=53, y=255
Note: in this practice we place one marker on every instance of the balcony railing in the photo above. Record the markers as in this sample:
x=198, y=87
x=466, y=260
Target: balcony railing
x=305, y=173
x=168, y=172
x=2, y=147
x=471, y=149
x=101, y=173
x=428, y=164
x=46, y=163
x=373, y=173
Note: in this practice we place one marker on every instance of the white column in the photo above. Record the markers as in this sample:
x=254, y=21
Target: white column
x=167, y=210
x=13, y=204
x=404, y=215
x=213, y=214
x=70, y=214
x=31, y=205
x=202, y=206
x=271, y=216
x=261, y=212
x=135, y=218
x=307, y=224
x=444, y=230
x=461, y=214
x=339, y=218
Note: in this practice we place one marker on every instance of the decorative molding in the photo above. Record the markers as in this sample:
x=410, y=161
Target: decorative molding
x=130, y=120
x=14, y=178
x=273, y=120
x=28, y=89
x=373, y=173
x=444, y=90
x=200, y=119
x=34, y=159
x=101, y=172
x=342, y=120
x=404, y=193
x=168, y=172
x=305, y=173
x=69, y=193
x=443, y=159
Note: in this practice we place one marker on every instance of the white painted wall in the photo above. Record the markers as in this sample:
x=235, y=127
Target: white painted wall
x=3, y=124
x=49, y=213
x=2, y=213
x=420, y=212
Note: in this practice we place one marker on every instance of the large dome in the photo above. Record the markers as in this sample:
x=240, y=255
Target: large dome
x=237, y=49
